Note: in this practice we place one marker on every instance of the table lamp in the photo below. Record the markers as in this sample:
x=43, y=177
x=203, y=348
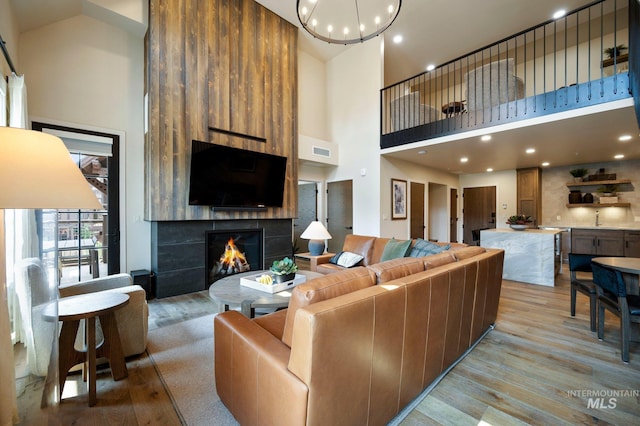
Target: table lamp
x=37, y=172
x=316, y=234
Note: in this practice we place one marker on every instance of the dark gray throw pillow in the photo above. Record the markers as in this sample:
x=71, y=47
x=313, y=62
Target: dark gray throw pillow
x=424, y=248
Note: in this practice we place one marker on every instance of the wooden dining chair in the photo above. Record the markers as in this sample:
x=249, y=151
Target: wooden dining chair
x=612, y=295
x=584, y=284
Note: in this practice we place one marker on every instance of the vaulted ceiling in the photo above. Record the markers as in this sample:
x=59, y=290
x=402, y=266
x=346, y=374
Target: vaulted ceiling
x=436, y=31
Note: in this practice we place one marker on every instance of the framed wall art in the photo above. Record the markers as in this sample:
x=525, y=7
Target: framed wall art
x=398, y=199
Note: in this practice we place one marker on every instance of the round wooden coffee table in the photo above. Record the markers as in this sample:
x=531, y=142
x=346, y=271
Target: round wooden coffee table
x=228, y=292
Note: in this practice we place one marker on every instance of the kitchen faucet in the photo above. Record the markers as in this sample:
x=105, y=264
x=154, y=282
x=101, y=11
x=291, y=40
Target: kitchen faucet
x=597, y=218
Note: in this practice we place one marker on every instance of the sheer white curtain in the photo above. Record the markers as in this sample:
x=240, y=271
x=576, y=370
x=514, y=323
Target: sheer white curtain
x=9, y=412
x=20, y=225
x=21, y=239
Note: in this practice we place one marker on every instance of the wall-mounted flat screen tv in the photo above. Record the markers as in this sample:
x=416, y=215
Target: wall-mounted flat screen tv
x=233, y=178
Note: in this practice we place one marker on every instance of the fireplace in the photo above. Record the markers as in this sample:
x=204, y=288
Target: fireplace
x=229, y=252
x=179, y=249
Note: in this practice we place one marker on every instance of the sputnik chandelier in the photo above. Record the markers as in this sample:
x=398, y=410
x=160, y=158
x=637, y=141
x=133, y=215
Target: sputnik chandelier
x=347, y=21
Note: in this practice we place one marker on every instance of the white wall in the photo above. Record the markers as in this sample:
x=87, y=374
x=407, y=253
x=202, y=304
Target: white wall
x=9, y=31
x=354, y=79
x=312, y=97
x=392, y=168
x=83, y=71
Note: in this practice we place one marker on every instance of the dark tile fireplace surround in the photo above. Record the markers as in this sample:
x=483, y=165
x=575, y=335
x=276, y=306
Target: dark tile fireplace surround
x=179, y=249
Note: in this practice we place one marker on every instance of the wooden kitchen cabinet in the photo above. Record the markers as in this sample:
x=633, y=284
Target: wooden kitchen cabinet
x=604, y=242
x=529, y=193
x=632, y=243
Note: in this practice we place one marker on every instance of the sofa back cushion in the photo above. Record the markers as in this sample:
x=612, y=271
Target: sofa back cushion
x=467, y=252
x=396, y=268
x=435, y=260
x=359, y=244
x=323, y=288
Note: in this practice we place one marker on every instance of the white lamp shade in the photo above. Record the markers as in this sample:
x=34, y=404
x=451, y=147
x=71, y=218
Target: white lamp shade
x=315, y=231
x=316, y=234
x=37, y=172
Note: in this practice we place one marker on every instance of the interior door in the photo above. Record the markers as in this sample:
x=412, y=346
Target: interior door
x=416, y=210
x=307, y=213
x=453, y=215
x=339, y=213
x=479, y=211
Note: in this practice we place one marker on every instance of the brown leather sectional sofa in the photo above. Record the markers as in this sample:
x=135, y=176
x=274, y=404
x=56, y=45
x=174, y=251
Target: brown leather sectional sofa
x=356, y=346
x=370, y=248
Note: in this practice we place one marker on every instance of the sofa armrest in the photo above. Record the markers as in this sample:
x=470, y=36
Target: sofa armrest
x=252, y=376
x=97, y=284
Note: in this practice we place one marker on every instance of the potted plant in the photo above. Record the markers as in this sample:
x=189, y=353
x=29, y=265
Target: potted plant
x=578, y=174
x=608, y=190
x=283, y=270
x=519, y=222
x=612, y=52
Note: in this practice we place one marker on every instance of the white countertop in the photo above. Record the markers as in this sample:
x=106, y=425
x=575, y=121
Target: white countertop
x=526, y=231
x=609, y=228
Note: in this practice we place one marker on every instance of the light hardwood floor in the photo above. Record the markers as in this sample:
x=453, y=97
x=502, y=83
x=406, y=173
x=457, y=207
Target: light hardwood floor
x=526, y=371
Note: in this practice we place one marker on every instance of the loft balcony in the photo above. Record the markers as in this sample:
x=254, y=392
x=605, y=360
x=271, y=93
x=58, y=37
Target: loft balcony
x=551, y=68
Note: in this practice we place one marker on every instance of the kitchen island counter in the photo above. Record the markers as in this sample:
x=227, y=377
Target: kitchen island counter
x=531, y=256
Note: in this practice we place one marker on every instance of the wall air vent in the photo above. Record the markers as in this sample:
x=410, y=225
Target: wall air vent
x=323, y=152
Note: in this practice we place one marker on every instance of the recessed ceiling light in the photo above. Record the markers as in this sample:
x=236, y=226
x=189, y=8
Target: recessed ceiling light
x=489, y=170
x=485, y=138
x=618, y=156
x=464, y=159
x=431, y=67
x=422, y=152
x=530, y=150
x=545, y=164
x=624, y=138
x=397, y=39
x=559, y=14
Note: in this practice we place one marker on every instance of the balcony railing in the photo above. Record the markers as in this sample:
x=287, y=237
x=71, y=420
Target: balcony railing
x=553, y=67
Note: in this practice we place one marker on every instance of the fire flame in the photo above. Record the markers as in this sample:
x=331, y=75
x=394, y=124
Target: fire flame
x=232, y=260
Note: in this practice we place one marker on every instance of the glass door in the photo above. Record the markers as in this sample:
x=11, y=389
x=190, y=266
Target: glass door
x=83, y=250
x=87, y=242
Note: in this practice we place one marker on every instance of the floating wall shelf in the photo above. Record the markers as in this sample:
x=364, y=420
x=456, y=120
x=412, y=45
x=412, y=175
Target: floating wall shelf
x=598, y=205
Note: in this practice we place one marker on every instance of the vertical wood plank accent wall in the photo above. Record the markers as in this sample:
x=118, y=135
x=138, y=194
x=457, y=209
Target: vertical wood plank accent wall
x=216, y=71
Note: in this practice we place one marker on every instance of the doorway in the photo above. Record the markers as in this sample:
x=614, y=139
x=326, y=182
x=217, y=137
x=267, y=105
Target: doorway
x=453, y=215
x=416, y=210
x=478, y=213
x=307, y=213
x=438, y=212
x=339, y=213
x=88, y=241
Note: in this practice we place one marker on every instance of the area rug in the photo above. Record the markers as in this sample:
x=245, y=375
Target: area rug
x=183, y=356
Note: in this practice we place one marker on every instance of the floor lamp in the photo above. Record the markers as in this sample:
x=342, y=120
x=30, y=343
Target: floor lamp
x=36, y=172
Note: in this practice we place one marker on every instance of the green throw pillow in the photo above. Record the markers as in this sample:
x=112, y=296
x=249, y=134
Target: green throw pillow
x=395, y=249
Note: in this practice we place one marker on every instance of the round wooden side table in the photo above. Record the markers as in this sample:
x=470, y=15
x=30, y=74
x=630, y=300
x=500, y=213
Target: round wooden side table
x=87, y=307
